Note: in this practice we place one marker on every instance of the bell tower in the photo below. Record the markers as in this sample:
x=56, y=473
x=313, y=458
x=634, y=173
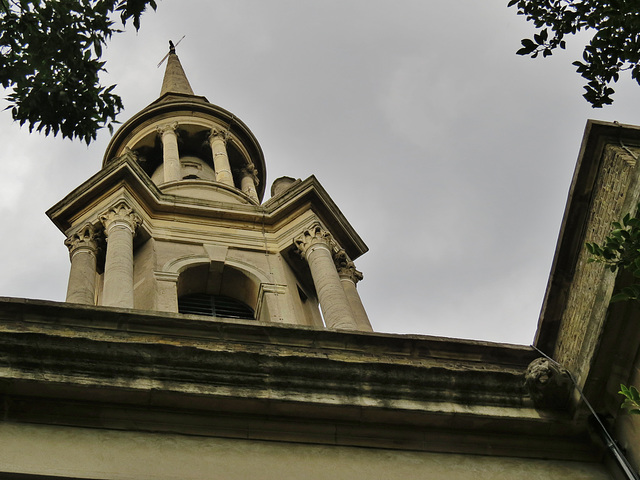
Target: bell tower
x=175, y=222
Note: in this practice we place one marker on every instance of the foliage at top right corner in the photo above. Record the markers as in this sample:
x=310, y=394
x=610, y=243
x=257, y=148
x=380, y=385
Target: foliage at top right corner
x=614, y=47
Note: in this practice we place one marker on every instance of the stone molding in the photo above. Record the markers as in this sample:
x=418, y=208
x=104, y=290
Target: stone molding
x=166, y=276
x=86, y=238
x=207, y=374
x=272, y=288
x=121, y=214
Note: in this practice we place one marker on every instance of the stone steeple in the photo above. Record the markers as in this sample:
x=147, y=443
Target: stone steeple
x=175, y=80
x=175, y=222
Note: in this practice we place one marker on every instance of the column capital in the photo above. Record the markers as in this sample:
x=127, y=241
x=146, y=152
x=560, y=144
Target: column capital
x=121, y=214
x=86, y=238
x=167, y=128
x=218, y=134
x=313, y=236
x=346, y=268
x=249, y=170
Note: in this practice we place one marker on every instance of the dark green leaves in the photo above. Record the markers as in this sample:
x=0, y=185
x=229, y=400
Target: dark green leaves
x=621, y=249
x=50, y=61
x=614, y=47
x=632, y=399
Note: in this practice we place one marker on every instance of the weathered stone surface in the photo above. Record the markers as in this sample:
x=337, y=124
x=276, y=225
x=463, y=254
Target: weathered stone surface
x=120, y=455
x=89, y=366
x=549, y=385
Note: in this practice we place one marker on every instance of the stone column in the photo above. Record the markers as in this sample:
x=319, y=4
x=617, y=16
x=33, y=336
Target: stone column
x=170, y=153
x=218, y=140
x=249, y=181
x=83, y=250
x=349, y=277
x=316, y=246
x=120, y=223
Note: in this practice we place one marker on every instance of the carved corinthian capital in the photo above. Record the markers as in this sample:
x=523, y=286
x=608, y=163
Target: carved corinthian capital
x=121, y=214
x=314, y=235
x=88, y=237
x=346, y=268
x=218, y=134
x=167, y=128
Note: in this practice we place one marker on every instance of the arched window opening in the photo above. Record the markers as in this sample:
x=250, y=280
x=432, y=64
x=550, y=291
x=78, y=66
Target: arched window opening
x=214, y=306
x=217, y=290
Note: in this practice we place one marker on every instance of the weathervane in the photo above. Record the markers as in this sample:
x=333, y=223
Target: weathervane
x=172, y=49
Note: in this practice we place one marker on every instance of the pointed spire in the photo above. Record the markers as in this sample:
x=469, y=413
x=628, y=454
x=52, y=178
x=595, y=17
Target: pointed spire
x=175, y=80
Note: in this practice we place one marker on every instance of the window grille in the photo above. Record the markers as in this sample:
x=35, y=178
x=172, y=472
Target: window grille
x=214, y=306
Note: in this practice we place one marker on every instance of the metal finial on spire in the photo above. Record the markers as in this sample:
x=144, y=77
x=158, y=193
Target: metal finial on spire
x=175, y=81
x=172, y=49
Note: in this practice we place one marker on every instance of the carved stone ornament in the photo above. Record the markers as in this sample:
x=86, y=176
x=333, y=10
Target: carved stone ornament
x=120, y=214
x=167, y=128
x=549, y=385
x=250, y=171
x=130, y=154
x=314, y=235
x=346, y=268
x=218, y=134
x=88, y=237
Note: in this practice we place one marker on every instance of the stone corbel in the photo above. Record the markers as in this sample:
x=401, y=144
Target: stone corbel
x=549, y=385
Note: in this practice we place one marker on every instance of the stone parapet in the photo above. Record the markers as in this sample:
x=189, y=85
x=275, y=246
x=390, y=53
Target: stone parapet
x=95, y=366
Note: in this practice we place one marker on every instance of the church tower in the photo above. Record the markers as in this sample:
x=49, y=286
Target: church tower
x=175, y=222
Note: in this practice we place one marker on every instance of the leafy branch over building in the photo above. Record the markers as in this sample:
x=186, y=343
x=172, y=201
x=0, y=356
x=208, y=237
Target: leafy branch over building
x=50, y=62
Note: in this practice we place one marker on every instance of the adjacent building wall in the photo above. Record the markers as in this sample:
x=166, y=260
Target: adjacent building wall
x=118, y=455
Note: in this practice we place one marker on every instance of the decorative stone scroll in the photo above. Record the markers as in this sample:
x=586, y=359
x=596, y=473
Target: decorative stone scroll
x=218, y=141
x=316, y=245
x=120, y=223
x=83, y=248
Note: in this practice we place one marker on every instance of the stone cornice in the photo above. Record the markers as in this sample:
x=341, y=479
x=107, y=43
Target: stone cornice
x=308, y=194
x=110, y=359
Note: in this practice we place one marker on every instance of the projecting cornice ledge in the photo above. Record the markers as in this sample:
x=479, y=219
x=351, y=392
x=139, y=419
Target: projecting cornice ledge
x=114, y=368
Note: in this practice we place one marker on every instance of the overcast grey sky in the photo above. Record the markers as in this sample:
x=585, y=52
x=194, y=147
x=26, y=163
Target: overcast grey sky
x=450, y=155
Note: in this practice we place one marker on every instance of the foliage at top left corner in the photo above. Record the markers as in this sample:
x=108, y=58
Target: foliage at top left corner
x=50, y=61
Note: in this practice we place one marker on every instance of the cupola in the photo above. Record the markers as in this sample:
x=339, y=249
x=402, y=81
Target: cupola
x=190, y=147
